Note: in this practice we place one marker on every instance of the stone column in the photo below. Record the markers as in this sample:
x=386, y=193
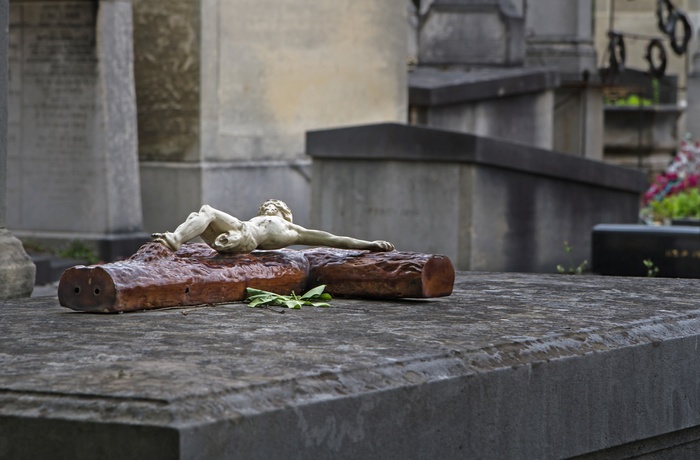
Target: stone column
x=471, y=33
x=73, y=144
x=560, y=35
x=16, y=268
x=226, y=91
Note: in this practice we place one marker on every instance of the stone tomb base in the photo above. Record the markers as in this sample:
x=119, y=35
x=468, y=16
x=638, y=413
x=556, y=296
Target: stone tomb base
x=107, y=247
x=509, y=366
x=487, y=204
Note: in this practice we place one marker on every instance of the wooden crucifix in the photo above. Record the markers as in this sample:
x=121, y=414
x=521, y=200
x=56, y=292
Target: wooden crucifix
x=241, y=254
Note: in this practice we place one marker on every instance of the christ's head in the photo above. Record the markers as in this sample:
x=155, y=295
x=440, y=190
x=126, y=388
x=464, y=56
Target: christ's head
x=275, y=208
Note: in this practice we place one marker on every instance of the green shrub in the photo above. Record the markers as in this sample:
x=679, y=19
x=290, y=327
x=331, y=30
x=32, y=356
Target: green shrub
x=685, y=204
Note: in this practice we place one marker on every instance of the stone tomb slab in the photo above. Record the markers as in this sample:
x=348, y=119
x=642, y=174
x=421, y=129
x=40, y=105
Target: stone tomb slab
x=509, y=366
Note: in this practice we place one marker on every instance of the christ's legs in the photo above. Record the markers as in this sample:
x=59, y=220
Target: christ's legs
x=207, y=223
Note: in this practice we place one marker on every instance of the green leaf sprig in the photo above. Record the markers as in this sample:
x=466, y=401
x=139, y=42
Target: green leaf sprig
x=314, y=297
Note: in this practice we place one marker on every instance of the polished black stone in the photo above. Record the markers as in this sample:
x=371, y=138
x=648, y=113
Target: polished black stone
x=622, y=249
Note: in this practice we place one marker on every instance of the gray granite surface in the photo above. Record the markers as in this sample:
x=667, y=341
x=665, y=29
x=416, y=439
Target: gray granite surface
x=226, y=377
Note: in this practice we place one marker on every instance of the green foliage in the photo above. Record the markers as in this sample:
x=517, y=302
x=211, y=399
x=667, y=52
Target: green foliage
x=632, y=100
x=573, y=269
x=656, y=90
x=76, y=249
x=314, y=297
x=685, y=204
x=652, y=269
x=33, y=246
x=79, y=250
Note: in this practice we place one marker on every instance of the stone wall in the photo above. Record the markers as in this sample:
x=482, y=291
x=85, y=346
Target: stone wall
x=226, y=89
x=512, y=103
x=166, y=70
x=468, y=32
x=489, y=205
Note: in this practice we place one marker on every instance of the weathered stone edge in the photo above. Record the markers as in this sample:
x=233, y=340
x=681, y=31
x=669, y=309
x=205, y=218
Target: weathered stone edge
x=246, y=399
x=433, y=87
x=402, y=142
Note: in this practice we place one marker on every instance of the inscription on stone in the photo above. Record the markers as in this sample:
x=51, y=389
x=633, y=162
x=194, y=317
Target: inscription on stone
x=53, y=100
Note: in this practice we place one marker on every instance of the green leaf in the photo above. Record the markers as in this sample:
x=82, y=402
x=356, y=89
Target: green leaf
x=255, y=302
x=293, y=304
x=253, y=291
x=257, y=297
x=312, y=293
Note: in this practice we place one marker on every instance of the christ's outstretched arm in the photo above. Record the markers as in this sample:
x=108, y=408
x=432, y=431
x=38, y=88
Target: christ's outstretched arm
x=321, y=238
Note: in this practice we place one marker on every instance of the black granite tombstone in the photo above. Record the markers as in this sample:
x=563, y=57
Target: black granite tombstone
x=622, y=249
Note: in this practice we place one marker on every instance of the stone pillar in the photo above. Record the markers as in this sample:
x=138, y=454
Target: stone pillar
x=72, y=152
x=471, y=32
x=560, y=35
x=16, y=268
x=226, y=91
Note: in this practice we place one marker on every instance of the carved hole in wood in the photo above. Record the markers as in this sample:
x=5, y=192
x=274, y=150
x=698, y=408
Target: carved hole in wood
x=187, y=289
x=97, y=291
x=76, y=290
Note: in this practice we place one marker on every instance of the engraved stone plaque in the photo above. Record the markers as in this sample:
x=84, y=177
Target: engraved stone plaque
x=72, y=161
x=53, y=83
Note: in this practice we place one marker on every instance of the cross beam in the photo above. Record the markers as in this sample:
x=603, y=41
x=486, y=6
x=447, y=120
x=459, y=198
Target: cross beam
x=156, y=277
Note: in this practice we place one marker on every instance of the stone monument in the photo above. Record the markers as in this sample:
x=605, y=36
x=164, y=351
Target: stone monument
x=72, y=148
x=470, y=73
x=226, y=91
x=16, y=268
x=472, y=32
x=559, y=35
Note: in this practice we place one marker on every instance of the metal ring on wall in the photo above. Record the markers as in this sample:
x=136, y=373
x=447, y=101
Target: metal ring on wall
x=656, y=69
x=665, y=19
x=682, y=47
x=616, y=50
